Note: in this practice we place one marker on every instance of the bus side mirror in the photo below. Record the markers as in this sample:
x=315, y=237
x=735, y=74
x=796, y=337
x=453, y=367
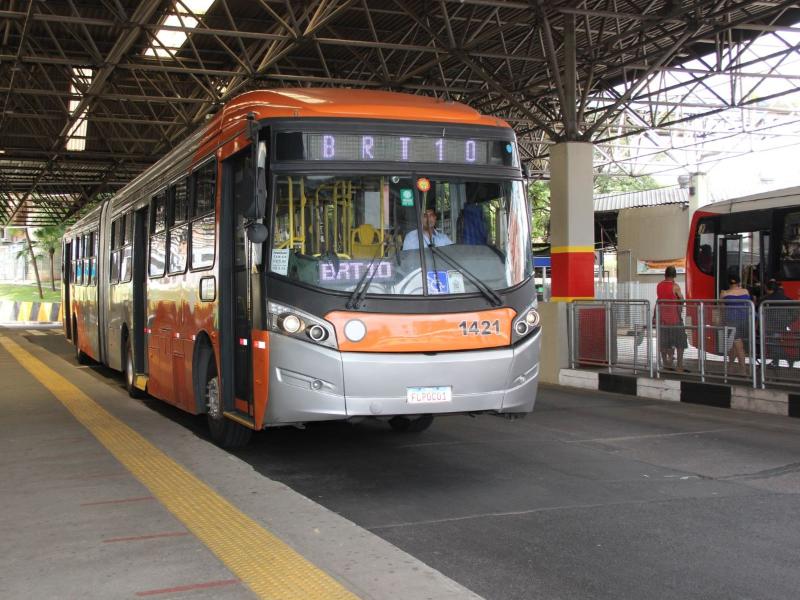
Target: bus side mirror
x=257, y=233
x=258, y=208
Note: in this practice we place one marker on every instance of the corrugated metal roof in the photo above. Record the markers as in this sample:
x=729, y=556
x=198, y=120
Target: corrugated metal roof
x=614, y=201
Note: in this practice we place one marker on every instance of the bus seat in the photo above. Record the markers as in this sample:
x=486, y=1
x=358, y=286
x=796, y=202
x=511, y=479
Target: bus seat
x=364, y=241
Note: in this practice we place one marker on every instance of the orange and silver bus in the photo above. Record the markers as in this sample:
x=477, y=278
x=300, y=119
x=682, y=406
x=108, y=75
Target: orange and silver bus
x=312, y=255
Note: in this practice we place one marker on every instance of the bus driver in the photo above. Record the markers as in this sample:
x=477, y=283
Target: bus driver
x=430, y=234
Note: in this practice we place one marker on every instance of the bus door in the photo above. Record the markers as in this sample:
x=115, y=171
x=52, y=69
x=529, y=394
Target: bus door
x=729, y=259
x=66, y=280
x=236, y=307
x=139, y=281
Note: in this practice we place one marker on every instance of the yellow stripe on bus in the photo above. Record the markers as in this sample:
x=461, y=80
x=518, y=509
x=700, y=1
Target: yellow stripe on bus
x=257, y=557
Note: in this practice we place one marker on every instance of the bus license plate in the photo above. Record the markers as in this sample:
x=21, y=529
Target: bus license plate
x=423, y=395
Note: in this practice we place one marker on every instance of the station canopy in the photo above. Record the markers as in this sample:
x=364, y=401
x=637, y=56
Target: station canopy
x=93, y=92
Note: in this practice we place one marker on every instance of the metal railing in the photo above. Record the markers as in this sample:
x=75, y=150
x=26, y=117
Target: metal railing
x=616, y=334
x=779, y=330
x=709, y=340
x=717, y=339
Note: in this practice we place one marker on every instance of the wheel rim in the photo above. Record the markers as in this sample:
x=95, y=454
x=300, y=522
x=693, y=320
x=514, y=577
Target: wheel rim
x=212, y=398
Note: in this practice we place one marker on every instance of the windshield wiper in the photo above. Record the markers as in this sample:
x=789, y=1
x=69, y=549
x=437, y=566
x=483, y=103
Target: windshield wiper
x=358, y=295
x=484, y=289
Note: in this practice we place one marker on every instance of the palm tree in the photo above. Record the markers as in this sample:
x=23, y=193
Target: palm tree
x=28, y=254
x=49, y=239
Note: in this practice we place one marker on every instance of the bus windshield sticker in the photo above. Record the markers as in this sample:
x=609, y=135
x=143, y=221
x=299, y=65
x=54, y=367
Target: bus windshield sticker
x=280, y=261
x=438, y=283
x=455, y=281
x=406, y=197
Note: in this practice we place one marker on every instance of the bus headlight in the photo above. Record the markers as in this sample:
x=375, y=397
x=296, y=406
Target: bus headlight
x=290, y=323
x=300, y=325
x=527, y=322
x=355, y=330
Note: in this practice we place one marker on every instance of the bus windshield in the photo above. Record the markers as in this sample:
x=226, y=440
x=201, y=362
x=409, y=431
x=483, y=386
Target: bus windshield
x=400, y=234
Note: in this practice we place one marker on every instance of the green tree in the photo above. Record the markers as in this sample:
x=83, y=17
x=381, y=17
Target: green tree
x=539, y=194
x=49, y=240
x=605, y=183
x=28, y=253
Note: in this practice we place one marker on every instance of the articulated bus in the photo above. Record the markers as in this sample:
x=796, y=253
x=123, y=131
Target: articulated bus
x=755, y=237
x=317, y=254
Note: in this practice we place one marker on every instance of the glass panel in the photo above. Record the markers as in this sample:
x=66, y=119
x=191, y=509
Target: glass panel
x=158, y=251
x=178, y=248
x=114, y=271
x=129, y=228
x=484, y=235
x=115, y=233
x=93, y=271
x=204, y=189
x=159, y=211
x=203, y=242
x=330, y=231
x=704, y=247
x=790, y=247
x=125, y=271
x=180, y=202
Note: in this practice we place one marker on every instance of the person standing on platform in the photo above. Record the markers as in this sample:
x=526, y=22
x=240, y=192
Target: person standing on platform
x=672, y=334
x=737, y=315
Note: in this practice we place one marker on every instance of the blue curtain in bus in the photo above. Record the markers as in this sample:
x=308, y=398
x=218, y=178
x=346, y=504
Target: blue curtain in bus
x=474, y=225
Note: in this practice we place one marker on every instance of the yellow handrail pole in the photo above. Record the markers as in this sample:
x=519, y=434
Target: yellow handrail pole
x=303, y=212
x=382, y=196
x=291, y=212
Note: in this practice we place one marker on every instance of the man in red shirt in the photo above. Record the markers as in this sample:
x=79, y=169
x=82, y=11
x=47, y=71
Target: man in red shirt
x=672, y=334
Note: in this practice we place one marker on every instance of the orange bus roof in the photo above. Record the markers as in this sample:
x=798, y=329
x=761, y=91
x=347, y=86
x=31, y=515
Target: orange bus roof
x=353, y=104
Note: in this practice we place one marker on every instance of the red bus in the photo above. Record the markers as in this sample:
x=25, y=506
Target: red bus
x=755, y=237
x=317, y=254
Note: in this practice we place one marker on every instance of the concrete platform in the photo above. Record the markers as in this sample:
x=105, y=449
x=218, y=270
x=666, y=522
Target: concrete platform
x=594, y=495
x=76, y=523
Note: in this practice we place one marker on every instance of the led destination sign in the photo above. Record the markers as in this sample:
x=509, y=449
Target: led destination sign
x=395, y=148
x=353, y=270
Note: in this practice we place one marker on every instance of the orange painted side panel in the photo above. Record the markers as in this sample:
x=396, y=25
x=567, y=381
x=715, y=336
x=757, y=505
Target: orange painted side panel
x=260, y=375
x=426, y=332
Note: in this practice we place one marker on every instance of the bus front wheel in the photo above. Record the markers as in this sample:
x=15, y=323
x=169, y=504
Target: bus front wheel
x=405, y=424
x=224, y=432
x=130, y=374
x=80, y=355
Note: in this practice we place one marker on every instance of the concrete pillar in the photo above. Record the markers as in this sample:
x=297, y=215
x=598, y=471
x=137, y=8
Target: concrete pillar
x=698, y=192
x=572, y=220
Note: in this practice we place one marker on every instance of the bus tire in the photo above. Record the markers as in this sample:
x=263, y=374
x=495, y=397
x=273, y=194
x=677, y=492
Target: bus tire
x=406, y=425
x=80, y=355
x=224, y=432
x=130, y=373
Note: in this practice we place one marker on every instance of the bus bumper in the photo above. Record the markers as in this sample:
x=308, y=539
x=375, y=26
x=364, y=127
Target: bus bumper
x=315, y=383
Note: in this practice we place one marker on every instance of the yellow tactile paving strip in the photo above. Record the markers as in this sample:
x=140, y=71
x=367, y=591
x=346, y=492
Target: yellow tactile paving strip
x=259, y=559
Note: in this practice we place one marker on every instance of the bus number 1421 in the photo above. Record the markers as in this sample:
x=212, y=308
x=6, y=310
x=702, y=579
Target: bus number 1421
x=479, y=327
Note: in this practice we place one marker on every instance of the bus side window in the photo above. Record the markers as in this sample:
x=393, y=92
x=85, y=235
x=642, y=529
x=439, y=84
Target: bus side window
x=179, y=229
x=125, y=271
x=75, y=257
x=203, y=223
x=116, y=226
x=85, y=249
x=95, y=247
x=158, y=235
x=704, y=246
x=790, y=247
